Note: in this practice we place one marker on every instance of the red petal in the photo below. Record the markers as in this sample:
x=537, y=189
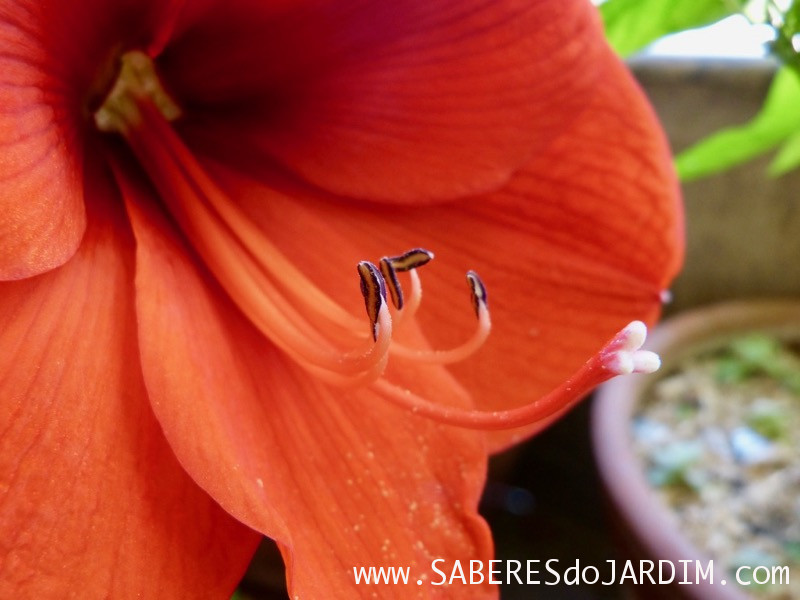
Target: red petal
x=41, y=201
x=401, y=101
x=339, y=480
x=582, y=241
x=94, y=503
x=55, y=59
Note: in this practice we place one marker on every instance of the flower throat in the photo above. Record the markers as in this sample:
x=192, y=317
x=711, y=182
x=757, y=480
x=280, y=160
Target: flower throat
x=288, y=308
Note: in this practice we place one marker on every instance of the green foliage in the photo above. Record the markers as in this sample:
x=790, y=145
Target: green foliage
x=787, y=26
x=672, y=463
x=777, y=121
x=759, y=355
x=632, y=24
x=788, y=157
x=793, y=550
x=769, y=421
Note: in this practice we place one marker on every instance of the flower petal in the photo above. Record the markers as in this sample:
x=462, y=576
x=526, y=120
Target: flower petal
x=93, y=502
x=403, y=101
x=56, y=61
x=582, y=240
x=340, y=480
x=41, y=203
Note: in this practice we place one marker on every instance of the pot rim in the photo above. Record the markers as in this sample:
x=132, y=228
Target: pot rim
x=652, y=522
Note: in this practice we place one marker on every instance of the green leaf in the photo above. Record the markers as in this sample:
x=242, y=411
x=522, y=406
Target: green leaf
x=792, y=549
x=778, y=119
x=632, y=24
x=787, y=26
x=788, y=157
x=769, y=421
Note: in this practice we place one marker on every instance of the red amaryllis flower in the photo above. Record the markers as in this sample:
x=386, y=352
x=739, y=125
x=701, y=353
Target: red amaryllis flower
x=187, y=190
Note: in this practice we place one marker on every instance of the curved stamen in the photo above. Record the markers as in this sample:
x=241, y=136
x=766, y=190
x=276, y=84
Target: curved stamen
x=275, y=262
x=620, y=356
x=373, y=288
x=138, y=83
x=331, y=316
x=390, y=277
x=413, y=259
x=411, y=304
x=459, y=353
x=480, y=298
x=162, y=154
x=408, y=261
x=374, y=372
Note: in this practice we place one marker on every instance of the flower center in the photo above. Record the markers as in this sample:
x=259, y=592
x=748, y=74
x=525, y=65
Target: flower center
x=287, y=307
x=279, y=299
x=136, y=82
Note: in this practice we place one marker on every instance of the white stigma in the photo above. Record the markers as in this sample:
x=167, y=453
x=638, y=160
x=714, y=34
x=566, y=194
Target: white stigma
x=624, y=356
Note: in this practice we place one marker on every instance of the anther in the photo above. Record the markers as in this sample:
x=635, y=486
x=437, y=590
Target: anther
x=413, y=259
x=390, y=277
x=373, y=289
x=408, y=261
x=480, y=298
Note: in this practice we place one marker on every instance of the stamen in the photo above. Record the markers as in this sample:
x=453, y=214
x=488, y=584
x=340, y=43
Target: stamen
x=601, y=367
x=459, y=353
x=325, y=311
x=176, y=175
x=374, y=372
x=480, y=299
x=411, y=304
x=390, y=276
x=374, y=291
x=413, y=259
x=409, y=261
x=138, y=83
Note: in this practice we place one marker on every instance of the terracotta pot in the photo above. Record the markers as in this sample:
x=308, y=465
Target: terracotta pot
x=646, y=528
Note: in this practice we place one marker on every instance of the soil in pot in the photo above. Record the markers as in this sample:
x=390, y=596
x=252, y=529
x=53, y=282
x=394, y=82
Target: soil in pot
x=719, y=438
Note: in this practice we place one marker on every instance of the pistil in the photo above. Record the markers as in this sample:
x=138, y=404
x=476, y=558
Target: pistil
x=621, y=356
